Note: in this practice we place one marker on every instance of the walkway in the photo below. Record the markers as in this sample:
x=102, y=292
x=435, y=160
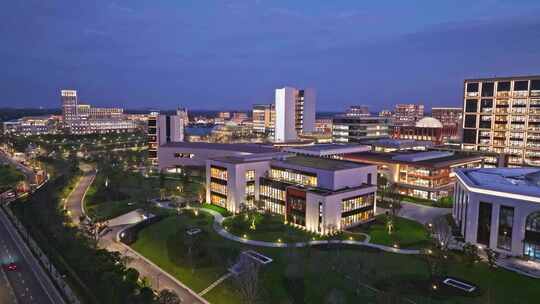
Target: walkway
x=75, y=201
x=218, y=227
x=420, y=213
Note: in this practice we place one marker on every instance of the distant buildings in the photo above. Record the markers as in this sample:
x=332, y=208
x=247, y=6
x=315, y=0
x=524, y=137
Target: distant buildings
x=32, y=125
x=239, y=117
x=323, y=126
x=408, y=114
x=385, y=113
x=295, y=113
x=427, y=129
x=357, y=128
x=502, y=115
x=85, y=119
x=163, y=129
x=499, y=208
x=448, y=116
x=358, y=111
x=425, y=175
x=264, y=117
x=320, y=195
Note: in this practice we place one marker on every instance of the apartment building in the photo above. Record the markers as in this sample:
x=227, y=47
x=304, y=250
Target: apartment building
x=426, y=175
x=408, y=114
x=295, y=113
x=499, y=208
x=317, y=194
x=502, y=115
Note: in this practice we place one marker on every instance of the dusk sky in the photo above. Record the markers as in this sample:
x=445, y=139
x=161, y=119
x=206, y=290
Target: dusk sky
x=231, y=54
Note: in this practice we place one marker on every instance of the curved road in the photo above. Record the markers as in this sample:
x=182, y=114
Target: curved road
x=74, y=201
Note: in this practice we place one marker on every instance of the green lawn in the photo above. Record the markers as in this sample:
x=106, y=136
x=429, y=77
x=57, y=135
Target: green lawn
x=406, y=233
x=224, y=212
x=297, y=272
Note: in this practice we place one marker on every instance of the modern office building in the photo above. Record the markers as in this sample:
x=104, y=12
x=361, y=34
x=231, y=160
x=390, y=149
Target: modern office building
x=499, y=208
x=448, y=116
x=426, y=175
x=502, y=115
x=408, y=114
x=320, y=195
x=386, y=113
x=427, y=129
x=295, y=113
x=357, y=128
x=153, y=137
x=358, y=111
x=31, y=125
x=323, y=126
x=84, y=119
x=163, y=129
x=264, y=117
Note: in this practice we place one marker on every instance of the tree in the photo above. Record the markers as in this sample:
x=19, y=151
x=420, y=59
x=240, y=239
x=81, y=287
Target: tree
x=492, y=256
x=470, y=252
x=247, y=281
x=442, y=233
x=395, y=200
x=167, y=296
x=382, y=185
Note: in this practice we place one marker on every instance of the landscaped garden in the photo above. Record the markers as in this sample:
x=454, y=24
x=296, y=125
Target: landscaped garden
x=295, y=274
x=9, y=177
x=403, y=233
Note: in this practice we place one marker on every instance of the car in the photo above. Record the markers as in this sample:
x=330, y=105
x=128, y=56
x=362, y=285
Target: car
x=11, y=267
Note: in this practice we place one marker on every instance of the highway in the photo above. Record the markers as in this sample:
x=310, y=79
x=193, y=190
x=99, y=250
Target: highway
x=24, y=282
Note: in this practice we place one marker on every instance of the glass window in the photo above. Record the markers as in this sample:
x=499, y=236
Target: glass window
x=503, y=86
x=487, y=89
x=484, y=223
x=472, y=87
x=470, y=121
x=506, y=222
x=471, y=105
x=521, y=85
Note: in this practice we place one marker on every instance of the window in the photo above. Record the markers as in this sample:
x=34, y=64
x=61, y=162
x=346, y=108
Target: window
x=486, y=105
x=472, y=87
x=506, y=222
x=521, y=85
x=471, y=105
x=535, y=85
x=369, y=179
x=484, y=223
x=469, y=136
x=250, y=175
x=487, y=89
x=503, y=86
x=470, y=121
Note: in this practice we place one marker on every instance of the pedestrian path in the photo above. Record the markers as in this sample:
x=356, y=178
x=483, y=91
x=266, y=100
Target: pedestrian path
x=218, y=227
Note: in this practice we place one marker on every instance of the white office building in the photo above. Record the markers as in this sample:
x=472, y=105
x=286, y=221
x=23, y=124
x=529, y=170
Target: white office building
x=499, y=208
x=295, y=113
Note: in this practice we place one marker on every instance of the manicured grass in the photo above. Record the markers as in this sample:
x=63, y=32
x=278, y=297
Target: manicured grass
x=326, y=271
x=111, y=209
x=269, y=228
x=406, y=233
x=446, y=202
x=224, y=212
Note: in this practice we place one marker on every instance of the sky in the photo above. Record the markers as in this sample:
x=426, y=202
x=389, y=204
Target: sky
x=205, y=54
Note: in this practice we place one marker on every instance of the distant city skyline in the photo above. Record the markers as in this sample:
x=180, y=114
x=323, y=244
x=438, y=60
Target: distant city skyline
x=232, y=54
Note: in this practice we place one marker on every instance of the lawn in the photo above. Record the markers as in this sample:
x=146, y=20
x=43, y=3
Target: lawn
x=224, y=212
x=296, y=273
x=406, y=233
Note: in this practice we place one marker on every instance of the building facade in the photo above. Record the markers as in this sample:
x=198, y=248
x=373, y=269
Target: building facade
x=408, y=114
x=320, y=195
x=264, y=117
x=427, y=129
x=31, y=125
x=425, y=175
x=448, y=116
x=357, y=128
x=502, y=115
x=499, y=208
x=295, y=113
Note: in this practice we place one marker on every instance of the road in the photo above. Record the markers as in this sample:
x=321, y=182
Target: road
x=27, y=281
x=27, y=171
x=159, y=279
x=73, y=202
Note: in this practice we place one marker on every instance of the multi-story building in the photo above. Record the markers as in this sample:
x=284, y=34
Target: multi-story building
x=357, y=128
x=386, y=113
x=153, y=138
x=408, y=114
x=358, y=111
x=85, y=119
x=31, y=125
x=502, y=115
x=163, y=129
x=239, y=117
x=427, y=129
x=323, y=126
x=499, y=208
x=426, y=175
x=264, y=117
x=448, y=116
x=224, y=115
x=295, y=113
x=318, y=194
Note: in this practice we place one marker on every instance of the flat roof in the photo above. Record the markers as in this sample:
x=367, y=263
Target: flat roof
x=522, y=181
x=328, y=149
x=398, y=143
x=327, y=164
x=503, y=78
x=246, y=148
x=251, y=158
x=432, y=159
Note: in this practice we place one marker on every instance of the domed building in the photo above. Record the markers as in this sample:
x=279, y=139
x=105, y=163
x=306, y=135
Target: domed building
x=426, y=129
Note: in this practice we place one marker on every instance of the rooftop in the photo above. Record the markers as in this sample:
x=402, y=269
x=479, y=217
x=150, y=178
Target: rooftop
x=327, y=149
x=504, y=78
x=320, y=163
x=245, y=148
x=523, y=181
x=430, y=159
x=429, y=122
x=398, y=143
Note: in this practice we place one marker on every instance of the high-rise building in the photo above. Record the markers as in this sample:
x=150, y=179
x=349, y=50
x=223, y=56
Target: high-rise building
x=264, y=116
x=170, y=129
x=502, y=115
x=295, y=113
x=153, y=138
x=408, y=114
x=69, y=107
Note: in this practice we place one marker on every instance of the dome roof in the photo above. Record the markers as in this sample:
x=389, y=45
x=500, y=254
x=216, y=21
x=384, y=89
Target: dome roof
x=429, y=122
